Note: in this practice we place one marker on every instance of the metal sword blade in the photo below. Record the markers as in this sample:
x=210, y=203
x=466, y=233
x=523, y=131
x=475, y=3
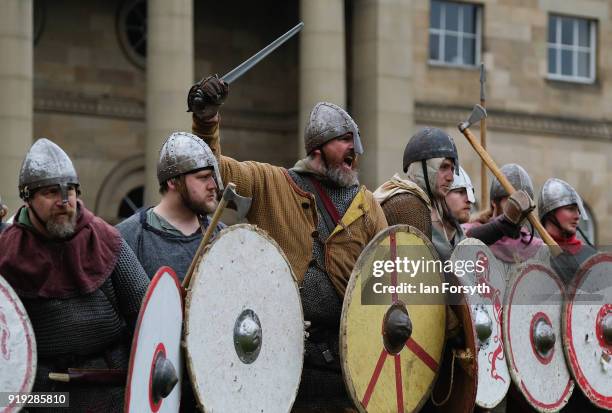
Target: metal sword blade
x=257, y=57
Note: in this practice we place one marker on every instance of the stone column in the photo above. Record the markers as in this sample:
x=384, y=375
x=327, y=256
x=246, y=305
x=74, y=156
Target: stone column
x=16, y=73
x=322, y=58
x=382, y=85
x=169, y=76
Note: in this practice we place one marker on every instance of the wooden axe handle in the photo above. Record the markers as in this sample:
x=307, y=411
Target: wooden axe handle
x=484, y=155
x=484, y=196
x=209, y=231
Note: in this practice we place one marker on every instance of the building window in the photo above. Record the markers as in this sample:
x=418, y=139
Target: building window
x=571, y=49
x=132, y=30
x=131, y=203
x=454, y=34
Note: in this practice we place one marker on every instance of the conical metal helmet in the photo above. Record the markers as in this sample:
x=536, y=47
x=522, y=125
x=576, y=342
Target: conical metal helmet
x=183, y=153
x=463, y=181
x=430, y=143
x=46, y=164
x=518, y=177
x=557, y=193
x=328, y=121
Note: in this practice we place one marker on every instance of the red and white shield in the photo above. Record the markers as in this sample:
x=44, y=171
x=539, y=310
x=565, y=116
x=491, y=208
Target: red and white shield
x=587, y=320
x=486, y=305
x=17, y=346
x=156, y=363
x=532, y=336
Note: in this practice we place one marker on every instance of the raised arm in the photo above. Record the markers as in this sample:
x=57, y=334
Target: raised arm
x=204, y=100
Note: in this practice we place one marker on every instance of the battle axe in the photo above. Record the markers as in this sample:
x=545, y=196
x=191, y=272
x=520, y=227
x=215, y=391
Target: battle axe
x=240, y=203
x=477, y=114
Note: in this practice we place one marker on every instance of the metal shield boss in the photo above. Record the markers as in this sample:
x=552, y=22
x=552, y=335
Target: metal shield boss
x=587, y=329
x=17, y=346
x=482, y=269
x=532, y=336
x=391, y=342
x=156, y=364
x=244, y=325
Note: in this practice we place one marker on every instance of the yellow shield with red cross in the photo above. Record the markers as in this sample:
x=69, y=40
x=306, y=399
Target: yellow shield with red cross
x=393, y=322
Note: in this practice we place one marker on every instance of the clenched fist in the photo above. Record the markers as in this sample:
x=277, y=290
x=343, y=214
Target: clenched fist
x=518, y=206
x=206, y=96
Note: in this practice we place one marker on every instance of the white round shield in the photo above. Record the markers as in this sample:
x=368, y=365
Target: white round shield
x=532, y=336
x=587, y=325
x=156, y=364
x=476, y=266
x=17, y=346
x=244, y=325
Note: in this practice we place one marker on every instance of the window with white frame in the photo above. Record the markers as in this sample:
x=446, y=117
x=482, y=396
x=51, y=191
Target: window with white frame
x=571, y=49
x=454, y=33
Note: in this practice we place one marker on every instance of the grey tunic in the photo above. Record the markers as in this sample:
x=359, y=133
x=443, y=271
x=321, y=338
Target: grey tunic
x=443, y=247
x=155, y=248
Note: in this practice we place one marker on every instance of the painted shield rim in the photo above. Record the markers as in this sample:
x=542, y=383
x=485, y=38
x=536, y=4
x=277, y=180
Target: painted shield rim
x=32, y=355
x=350, y=387
x=476, y=242
x=518, y=273
x=143, y=306
x=189, y=292
x=597, y=399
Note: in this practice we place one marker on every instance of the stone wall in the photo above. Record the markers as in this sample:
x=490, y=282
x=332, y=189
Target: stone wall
x=515, y=55
x=89, y=97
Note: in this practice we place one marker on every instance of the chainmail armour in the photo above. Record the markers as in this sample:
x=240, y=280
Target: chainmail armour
x=322, y=384
x=155, y=248
x=89, y=331
x=408, y=209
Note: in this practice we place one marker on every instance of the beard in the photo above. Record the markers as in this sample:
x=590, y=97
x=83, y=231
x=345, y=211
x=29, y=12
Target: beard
x=62, y=229
x=199, y=208
x=334, y=173
x=341, y=176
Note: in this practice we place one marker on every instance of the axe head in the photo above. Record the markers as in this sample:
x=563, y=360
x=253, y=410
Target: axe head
x=238, y=203
x=477, y=114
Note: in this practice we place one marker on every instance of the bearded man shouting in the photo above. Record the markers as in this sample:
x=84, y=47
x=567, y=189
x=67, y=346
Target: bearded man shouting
x=319, y=215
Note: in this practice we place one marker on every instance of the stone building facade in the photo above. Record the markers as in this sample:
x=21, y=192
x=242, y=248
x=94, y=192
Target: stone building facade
x=75, y=72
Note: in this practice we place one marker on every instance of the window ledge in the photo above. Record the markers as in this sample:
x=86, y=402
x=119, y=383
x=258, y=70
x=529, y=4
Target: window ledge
x=445, y=65
x=569, y=79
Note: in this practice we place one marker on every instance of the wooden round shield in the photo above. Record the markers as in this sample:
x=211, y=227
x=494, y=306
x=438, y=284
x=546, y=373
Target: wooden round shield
x=244, y=325
x=587, y=320
x=476, y=266
x=384, y=372
x=156, y=363
x=17, y=346
x=532, y=336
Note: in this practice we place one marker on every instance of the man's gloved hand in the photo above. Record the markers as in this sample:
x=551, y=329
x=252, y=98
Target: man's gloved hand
x=206, y=96
x=518, y=206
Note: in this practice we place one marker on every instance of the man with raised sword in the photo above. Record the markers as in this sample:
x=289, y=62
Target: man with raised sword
x=319, y=215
